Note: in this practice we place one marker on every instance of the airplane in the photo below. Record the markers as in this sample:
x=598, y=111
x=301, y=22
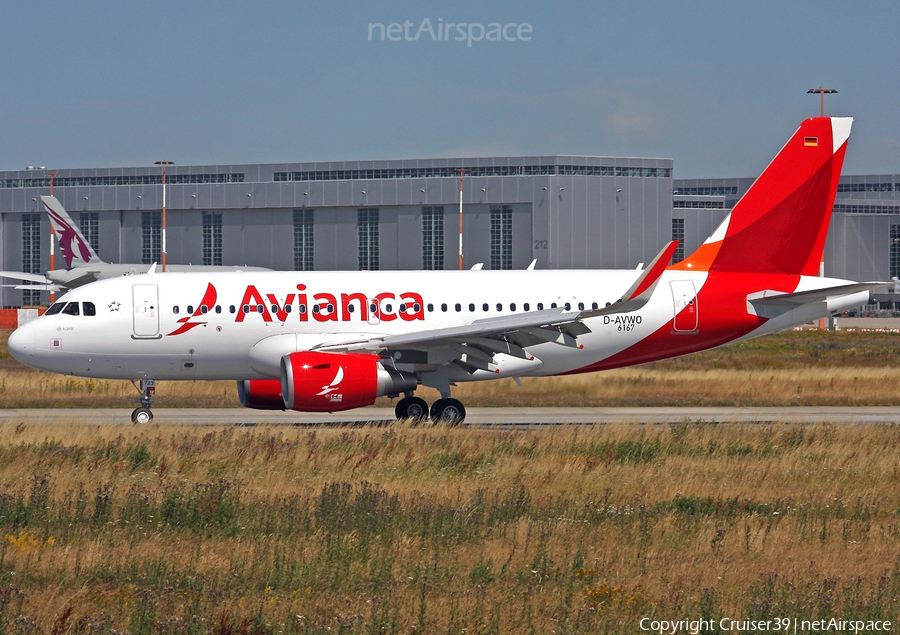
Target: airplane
x=83, y=265
x=331, y=341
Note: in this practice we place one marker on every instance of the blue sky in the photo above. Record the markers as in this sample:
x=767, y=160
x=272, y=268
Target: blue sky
x=717, y=86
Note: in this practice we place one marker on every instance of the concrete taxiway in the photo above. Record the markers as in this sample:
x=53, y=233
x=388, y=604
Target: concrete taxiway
x=476, y=416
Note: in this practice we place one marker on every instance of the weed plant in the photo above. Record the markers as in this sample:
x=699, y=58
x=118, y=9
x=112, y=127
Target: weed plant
x=169, y=529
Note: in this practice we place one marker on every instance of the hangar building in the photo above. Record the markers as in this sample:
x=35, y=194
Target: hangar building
x=563, y=211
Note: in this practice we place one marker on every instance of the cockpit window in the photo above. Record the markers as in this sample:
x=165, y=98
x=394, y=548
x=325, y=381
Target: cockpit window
x=71, y=309
x=55, y=308
x=89, y=308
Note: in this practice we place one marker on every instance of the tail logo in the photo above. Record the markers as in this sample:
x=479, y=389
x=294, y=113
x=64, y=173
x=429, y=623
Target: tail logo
x=206, y=304
x=68, y=236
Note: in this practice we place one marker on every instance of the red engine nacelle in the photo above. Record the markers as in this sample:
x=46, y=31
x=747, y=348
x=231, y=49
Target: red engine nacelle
x=328, y=382
x=261, y=394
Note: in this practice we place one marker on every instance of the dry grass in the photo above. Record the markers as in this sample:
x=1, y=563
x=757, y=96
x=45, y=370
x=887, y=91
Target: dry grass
x=793, y=368
x=581, y=530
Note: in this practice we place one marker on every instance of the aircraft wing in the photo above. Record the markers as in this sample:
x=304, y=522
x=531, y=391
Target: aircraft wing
x=35, y=287
x=474, y=345
x=543, y=326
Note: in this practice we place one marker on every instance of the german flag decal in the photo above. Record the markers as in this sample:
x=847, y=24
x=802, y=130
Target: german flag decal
x=811, y=141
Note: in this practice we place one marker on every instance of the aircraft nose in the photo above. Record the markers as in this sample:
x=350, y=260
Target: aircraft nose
x=21, y=343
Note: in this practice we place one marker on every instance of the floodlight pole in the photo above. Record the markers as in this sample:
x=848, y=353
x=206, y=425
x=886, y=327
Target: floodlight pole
x=822, y=92
x=52, y=176
x=163, y=164
x=461, y=172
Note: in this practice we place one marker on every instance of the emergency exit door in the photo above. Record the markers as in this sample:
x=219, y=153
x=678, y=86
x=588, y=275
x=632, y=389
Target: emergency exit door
x=146, y=310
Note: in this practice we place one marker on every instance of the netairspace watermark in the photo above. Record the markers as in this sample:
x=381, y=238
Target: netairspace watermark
x=775, y=625
x=468, y=32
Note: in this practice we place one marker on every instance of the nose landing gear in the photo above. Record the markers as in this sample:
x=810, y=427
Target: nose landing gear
x=142, y=414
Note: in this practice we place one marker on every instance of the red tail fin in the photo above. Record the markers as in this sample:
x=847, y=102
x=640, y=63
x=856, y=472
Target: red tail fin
x=780, y=224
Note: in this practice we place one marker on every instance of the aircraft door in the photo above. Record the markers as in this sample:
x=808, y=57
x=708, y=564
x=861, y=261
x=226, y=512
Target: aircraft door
x=687, y=314
x=146, y=310
x=374, y=313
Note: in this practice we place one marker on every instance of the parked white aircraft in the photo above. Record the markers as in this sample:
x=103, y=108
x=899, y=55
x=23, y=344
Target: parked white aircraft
x=83, y=265
x=331, y=341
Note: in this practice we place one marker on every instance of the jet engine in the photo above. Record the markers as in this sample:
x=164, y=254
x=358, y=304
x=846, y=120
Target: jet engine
x=328, y=382
x=261, y=394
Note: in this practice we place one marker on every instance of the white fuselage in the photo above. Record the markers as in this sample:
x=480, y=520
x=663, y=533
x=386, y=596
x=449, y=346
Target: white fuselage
x=153, y=326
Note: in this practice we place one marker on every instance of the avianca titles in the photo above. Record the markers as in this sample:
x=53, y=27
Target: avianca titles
x=329, y=341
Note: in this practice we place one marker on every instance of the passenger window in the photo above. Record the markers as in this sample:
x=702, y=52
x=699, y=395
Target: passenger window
x=471, y=306
x=232, y=309
x=512, y=306
x=288, y=308
x=499, y=307
x=89, y=308
x=526, y=306
x=350, y=308
x=302, y=309
x=444, y=308
x=175, y=310
x=568, y=306
x=416, y=307
x=594, y=306
x=218, y=308
x=190, y=308
x=260, y=308
x=315, y=308
x=388, y=308
x=402, y=308
x=55, y=308
x=245, y=308
x=540, y=306
x=204, y=309
x=581, y=306
x=71, y=309
x=458, y=307
x=274, y=308
x=553, y=305
x=430, y=308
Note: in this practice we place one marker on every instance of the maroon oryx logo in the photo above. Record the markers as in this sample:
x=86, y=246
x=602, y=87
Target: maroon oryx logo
x=67, y=236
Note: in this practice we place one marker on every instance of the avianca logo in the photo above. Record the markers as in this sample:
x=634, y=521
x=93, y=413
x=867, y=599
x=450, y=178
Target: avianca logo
x=328, y=307
x=334, y=385
x=318, y=307
x=206, y=305
x=67, y=236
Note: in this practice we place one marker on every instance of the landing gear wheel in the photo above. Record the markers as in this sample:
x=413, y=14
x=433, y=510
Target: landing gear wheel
x=141, y=416
x=449, y=412
x=412, y=408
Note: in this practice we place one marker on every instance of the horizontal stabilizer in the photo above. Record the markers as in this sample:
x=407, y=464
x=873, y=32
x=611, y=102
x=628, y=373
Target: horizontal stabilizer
x=19, y=275
x=777, y=298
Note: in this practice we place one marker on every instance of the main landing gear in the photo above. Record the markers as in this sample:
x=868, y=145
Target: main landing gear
x=142, y=414
x=447, y=411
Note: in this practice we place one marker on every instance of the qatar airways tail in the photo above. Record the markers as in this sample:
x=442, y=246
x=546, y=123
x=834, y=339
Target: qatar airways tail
x=83, y=265
x=330, y=341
